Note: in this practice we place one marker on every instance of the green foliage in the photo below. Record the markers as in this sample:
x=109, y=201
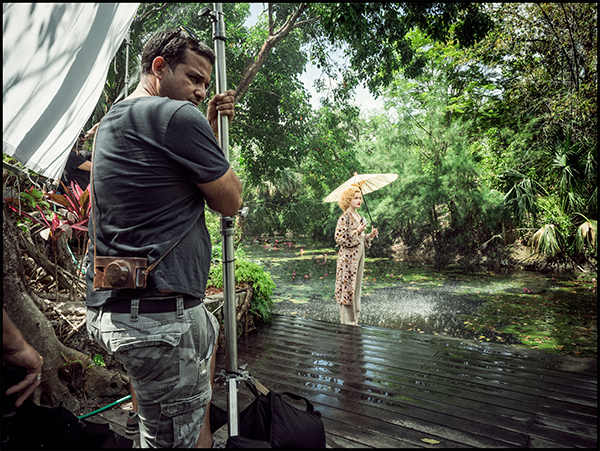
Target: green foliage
x=547, y=113
x=573, y=174
x=99, y=360
x=82, y=365
x=290, y=200
x=330, y=157
x=73, y=212
x=516, y=149
x=257, y=277
x=520, y=199
x=549, y=74
x=439, y=197
x=388, y=49
x=32, y=198
x=491, y=117
x=213, y=224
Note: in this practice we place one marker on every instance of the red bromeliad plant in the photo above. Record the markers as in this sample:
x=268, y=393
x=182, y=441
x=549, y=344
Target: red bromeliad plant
x=54, y=227
x=73, y=214
x=77, y=204
x=74, y=209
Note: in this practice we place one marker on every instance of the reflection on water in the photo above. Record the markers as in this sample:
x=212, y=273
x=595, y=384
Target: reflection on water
x=395, y=295
x=424, y=310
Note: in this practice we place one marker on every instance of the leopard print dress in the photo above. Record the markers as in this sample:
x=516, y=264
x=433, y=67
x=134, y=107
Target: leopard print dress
x=350, y=255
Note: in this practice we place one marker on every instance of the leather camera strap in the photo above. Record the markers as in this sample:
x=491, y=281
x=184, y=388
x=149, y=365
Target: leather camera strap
x=92, y=197
x=93, y=194
x=153, y=265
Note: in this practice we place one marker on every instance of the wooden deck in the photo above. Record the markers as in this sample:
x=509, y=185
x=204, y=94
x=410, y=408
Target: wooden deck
x=386, y=388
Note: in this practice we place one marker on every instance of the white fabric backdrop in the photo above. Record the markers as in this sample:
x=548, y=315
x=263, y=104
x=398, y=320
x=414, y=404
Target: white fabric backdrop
x=55, y=58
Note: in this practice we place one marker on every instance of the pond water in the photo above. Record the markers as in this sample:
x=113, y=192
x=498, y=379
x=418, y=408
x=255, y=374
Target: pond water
x=413, y=297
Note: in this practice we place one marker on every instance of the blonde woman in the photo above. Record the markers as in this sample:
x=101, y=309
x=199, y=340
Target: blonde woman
x=350, y=236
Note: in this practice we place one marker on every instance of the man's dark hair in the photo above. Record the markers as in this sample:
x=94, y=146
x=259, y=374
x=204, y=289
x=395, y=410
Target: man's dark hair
x=177, y=41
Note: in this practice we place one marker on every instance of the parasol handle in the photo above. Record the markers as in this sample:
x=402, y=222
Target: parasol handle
x=368, y=212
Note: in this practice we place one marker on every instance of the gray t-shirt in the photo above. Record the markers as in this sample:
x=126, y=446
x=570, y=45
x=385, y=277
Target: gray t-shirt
x=150, y=153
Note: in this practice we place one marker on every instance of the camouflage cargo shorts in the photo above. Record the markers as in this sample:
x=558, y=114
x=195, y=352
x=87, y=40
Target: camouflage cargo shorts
x=167, y=357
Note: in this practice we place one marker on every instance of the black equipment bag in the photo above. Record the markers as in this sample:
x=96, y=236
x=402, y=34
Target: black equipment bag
x=37, y=427
x=270, y=422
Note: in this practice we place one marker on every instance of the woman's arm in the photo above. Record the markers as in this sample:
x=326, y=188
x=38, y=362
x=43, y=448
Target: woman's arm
x=345, y=234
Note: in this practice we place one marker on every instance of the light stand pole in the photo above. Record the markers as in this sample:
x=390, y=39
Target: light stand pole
x=127, y=45
x=227, y=230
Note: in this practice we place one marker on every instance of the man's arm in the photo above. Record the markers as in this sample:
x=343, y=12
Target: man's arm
x=87, y=166
x=224, y=194
x=17, y=351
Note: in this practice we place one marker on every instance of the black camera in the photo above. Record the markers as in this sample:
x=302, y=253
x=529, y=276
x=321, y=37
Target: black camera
x=112, y=273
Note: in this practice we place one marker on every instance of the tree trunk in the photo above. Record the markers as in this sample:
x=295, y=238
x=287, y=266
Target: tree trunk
x=64, y=378
x=42, y=260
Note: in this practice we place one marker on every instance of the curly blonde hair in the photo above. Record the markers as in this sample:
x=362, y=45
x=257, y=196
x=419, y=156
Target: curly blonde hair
x=347, y=196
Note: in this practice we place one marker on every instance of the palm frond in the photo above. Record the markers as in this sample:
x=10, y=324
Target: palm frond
x=521, y=198
x=285, y=183
x=547, y=241
x=586, y=235
x=593, y=199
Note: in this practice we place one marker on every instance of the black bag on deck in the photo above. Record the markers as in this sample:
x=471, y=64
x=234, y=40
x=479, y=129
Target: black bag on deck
x=37, y=427
x=270, y=422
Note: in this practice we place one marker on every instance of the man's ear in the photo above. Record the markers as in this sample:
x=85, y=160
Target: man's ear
x=159, y=67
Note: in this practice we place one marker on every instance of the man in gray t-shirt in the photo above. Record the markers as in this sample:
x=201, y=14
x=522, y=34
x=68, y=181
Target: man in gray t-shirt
x=156, y=162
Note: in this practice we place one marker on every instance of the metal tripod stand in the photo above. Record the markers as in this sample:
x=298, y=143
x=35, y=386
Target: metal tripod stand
x=227, y=231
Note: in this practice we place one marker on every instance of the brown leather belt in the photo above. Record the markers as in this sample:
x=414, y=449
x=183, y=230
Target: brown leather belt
x=161, y=304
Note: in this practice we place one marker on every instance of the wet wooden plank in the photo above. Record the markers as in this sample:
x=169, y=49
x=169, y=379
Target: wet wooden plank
x=527, y=369
x=380, y=360
x=512, y=359
x=409, y=422
x=471, y=410
x=380, y=387
x=445, y=415
x=445, y=384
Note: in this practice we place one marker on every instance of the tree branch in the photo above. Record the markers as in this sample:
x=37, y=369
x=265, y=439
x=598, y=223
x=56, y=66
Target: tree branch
x=306, y=22
x=143, y=17
x=575, y=53
x=560, y=45
x=269, y=43
x=270, y=15
x=291, y=20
